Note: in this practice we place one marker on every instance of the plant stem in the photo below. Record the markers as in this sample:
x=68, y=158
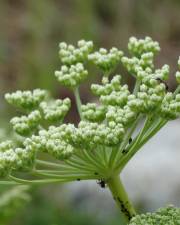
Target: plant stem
x=121, y=198
x=136, y=86
x=176, y=91
x=42, y=181
x=133, y=149
x=6, y=182
x=116, y=155
x=49, y=164
x=66, y=177
x=78, y=101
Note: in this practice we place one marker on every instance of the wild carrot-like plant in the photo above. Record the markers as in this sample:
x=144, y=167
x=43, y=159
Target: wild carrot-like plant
x=101, y=145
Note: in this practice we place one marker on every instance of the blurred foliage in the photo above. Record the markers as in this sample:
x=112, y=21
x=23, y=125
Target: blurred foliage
x=45, y=210
x=11, y=201
x=30, y=33
x=32, y=30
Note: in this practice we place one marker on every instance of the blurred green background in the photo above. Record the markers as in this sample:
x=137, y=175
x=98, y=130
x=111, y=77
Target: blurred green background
x=29, y=37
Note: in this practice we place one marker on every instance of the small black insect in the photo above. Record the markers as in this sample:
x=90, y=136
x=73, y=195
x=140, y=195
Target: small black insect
x=130, y=140
x=162, y=81
x=124, y=151
x=102, y=183
x=95, y=173
x=78, y=179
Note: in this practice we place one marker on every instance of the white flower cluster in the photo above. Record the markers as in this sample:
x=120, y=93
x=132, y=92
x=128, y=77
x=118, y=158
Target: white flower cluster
x=24, y=125
x=72, y=71
x=50, y=110
x=164, y=216
x=90, y=134
x=7, y=157
x=71, y=55
x=137, y=47
x=103, y=125
x=148, y=98
x=12, y=158
x=123, y=115
x=134, y=64
x=25, y=157
x=71, y=76
x=27, y=100
x=93, y=113
x=55, y=111
x=105, y=60
x=153, y=94
x=170, y=108
x=4, y=146
x=143, y=51
x=52, y=141
x=62, y=141
x=112, y=93
x=158, y=74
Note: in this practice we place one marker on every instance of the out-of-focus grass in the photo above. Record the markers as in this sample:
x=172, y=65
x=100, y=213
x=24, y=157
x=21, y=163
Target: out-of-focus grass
x=31, y=31
x=12, y=200
x=45, y=211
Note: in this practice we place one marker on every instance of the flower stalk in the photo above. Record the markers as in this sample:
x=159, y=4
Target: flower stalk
x=78, y=101
x=121, y=198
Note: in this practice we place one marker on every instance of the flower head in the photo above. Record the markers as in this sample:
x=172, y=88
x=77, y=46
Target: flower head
x=98, y=145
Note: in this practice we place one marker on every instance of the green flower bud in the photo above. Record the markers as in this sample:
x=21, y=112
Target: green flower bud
x=163, y=73
x=149, y=97
x=27, y=100
x=6, y=162
x=147, y=60
x=72, y=76
x=54, y=141
x=170, y=107
x=24, y=125
x=93, y=113
x=70, y=55
x=123, y=115
x=131, y=64
x=7, y=158
x=59, y=149
x=116, y=98
x=104, y=60
x=178, y=77
x=168, y=215
x=55, y=111
x=6, y=145
x=112, y=93
x=107, y=88
x=138, y=47
x=25, y=157
x=90, y=134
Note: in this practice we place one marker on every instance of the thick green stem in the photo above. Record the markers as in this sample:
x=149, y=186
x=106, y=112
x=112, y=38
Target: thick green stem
x=121, y=198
